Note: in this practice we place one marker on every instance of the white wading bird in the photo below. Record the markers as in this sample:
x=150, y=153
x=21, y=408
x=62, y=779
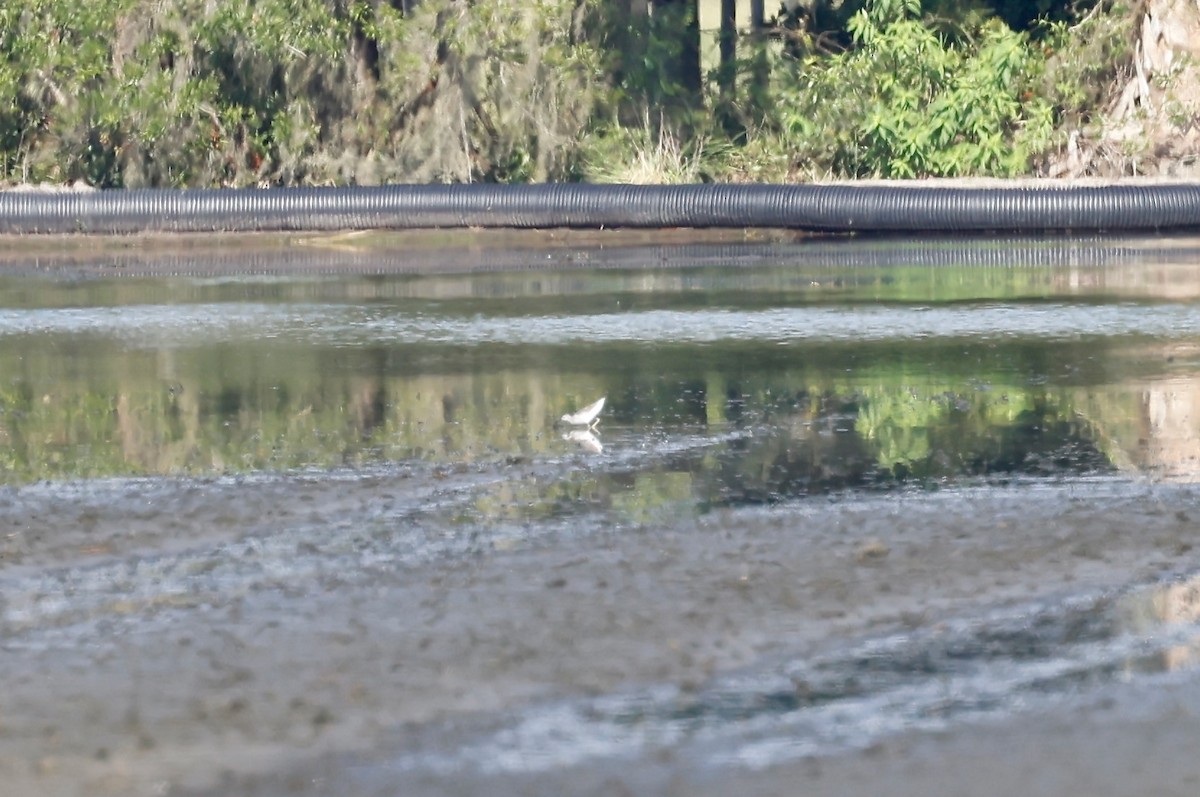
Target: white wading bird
x=587, y=416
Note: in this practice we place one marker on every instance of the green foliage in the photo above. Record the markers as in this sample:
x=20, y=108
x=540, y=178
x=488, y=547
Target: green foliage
x=242, y=92
x=650, y=67
x=905, y=102
x=292, y=92
x=1084, y=64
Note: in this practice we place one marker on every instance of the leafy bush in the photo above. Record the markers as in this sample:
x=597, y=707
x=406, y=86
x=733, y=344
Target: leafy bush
x=293, y=92
x=1086, y=63
x=905, y=101
x=189, y=92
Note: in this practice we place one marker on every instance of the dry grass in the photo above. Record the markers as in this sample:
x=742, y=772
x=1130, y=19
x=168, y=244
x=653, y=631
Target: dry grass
x=650, y=154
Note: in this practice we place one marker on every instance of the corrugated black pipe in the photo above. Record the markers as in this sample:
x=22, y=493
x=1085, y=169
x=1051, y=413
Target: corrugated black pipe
x=825, y=208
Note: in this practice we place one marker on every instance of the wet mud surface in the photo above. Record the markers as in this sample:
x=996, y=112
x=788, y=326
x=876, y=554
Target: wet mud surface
x=294, y=517
x=278, y=635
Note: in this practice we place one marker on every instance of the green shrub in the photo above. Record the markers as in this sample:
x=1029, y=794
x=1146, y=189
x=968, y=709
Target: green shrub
x=1087, y=63
x=240, y=92
x=905, y=101
x=294, y=92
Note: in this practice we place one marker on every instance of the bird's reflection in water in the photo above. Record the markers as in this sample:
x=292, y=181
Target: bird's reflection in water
x=585, y=439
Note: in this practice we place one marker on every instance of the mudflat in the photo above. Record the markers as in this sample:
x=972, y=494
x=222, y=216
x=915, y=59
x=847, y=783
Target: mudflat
x=325, y=633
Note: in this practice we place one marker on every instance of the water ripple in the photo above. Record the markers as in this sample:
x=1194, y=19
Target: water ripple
x=331, y=324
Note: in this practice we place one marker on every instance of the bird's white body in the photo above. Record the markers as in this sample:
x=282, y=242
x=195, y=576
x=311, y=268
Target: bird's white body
x=586, y=416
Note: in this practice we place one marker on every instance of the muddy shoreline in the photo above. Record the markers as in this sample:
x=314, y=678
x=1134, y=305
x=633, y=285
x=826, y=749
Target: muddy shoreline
x=166, y=636
x=370, y=630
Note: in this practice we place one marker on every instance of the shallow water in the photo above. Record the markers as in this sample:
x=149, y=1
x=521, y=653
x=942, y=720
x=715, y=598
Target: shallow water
x=770, y=380
x=226, y=437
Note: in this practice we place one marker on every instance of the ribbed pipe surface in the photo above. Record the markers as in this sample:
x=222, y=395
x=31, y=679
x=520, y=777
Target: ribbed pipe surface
x=824, y=208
